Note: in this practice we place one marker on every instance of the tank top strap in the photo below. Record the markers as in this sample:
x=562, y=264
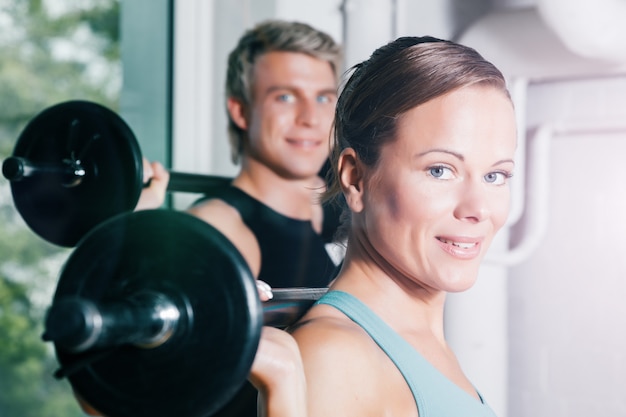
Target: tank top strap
x=399, y=351
x=435, y=395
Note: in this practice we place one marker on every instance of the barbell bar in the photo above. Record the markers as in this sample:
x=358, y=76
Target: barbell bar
x=72, y=173
x=157, y=314
x=78, y=163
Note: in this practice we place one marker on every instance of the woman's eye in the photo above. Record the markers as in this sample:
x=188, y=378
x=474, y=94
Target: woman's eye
x=440, y=172
x=497, y=178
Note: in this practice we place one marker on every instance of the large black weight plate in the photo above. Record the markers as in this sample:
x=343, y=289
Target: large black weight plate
x=113, y=163
x=203, y=364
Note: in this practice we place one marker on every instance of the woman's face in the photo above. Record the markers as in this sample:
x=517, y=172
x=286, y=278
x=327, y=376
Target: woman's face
x=440, y=191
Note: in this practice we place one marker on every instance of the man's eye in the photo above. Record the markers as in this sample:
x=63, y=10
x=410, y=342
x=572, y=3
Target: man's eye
x=286, y=98
x=323, y=99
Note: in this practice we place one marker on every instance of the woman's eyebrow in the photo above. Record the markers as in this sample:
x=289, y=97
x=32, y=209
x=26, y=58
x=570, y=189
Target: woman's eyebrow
x=455, y=154
x=505, y=161
x=461, y=157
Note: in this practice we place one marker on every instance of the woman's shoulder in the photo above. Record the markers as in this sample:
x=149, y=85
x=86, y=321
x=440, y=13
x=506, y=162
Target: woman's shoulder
x=347, y=373
x=326, y=320
x=341, y=362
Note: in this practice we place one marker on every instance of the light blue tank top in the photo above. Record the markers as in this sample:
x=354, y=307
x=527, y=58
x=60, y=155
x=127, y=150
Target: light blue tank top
x=435, y=395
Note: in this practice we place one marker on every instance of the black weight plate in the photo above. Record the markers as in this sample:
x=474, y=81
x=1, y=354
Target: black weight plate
x=197, y=370
x=113, y=163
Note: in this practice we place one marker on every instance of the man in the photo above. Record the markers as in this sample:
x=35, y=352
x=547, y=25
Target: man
x=281, y=90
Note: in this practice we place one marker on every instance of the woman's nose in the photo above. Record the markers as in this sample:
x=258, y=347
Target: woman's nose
x=473, y=204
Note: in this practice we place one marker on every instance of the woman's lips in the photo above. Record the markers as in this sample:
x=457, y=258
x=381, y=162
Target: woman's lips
x=460, y=247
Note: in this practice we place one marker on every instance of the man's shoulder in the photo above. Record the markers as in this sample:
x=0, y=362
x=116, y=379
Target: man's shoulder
x=227, y=220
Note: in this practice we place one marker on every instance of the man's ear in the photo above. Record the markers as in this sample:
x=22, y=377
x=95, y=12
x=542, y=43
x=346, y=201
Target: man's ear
x=350, y=170
x=237, y=112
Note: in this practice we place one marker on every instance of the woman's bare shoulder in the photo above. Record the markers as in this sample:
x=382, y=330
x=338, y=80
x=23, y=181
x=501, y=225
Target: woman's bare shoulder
x=340, y=336
x=341, y=363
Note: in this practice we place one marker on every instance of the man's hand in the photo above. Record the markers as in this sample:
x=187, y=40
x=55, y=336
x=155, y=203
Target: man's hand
x=156, y=178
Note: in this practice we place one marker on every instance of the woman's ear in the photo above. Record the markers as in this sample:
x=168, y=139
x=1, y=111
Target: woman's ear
x=236, y=110
x=350, y=172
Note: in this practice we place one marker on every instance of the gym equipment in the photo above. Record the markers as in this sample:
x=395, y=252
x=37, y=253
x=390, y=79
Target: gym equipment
x=78, y=163
x=157, y=314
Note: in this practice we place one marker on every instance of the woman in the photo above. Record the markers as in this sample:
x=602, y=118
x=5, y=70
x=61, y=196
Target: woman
x=424, y=142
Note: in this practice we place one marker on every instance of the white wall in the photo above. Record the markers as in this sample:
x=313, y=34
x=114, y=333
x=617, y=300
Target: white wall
x=567, y=316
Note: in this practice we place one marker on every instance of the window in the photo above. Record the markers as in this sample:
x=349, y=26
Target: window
x=55, y=51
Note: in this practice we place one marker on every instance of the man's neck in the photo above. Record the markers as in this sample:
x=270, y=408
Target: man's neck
x=295, y=198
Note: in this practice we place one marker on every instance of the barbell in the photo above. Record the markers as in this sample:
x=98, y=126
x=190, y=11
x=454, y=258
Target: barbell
x=78, y=163
x=157, y=314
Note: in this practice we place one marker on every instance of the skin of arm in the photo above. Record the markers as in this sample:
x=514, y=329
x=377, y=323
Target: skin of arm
x=226, y=219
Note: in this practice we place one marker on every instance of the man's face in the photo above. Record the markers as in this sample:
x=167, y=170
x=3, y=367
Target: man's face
x=290, y=117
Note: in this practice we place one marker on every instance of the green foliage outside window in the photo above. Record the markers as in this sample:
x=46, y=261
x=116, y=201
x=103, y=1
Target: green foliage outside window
x=51, y=51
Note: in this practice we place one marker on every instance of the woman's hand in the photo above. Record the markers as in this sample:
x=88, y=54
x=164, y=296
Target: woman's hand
x=156, y=177
x=277, y=370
